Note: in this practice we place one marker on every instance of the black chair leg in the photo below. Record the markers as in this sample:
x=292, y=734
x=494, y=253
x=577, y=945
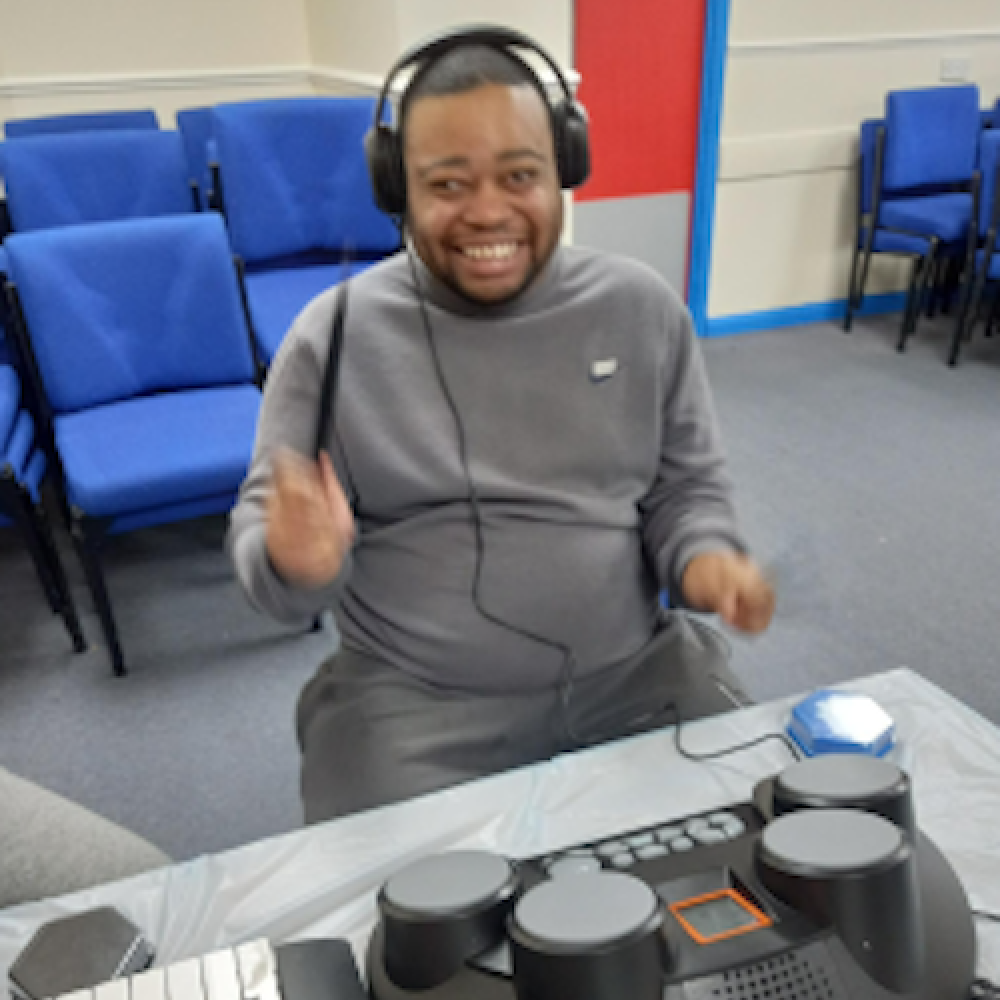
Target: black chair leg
x=34, y=529
x=87, y=550
x=952, y=285
x=851, y=283
x=967, y=310
x=923, y=268
x=67, y=609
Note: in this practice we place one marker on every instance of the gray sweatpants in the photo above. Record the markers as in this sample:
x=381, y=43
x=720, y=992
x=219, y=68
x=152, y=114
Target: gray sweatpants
x=372, y=734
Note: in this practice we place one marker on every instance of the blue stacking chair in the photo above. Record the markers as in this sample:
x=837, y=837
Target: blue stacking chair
x=63, y=180
x=924, y=188
x=22, y=471
x=136, y=339
x=98, y=121
x=298, y=201
x=986, y=268
x=871, y=238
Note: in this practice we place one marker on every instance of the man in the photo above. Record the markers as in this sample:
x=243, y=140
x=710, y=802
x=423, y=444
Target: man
x=523, y=455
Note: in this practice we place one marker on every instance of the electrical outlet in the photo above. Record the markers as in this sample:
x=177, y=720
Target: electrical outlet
x=956, y=69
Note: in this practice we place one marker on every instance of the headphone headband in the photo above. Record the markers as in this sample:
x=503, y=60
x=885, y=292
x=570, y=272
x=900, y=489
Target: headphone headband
x=384, y=143
x=495, y=36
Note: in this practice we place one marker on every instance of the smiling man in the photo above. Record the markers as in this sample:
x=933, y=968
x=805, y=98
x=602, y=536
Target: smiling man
x=523, y=455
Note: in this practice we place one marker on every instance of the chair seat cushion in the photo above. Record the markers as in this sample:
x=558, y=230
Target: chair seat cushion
x=277, y=297
x=945, y=216
x=895, y=243
x=157, y=450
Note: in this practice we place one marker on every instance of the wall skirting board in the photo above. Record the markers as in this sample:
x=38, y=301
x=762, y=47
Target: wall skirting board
x=127, y=83
x=815, y=312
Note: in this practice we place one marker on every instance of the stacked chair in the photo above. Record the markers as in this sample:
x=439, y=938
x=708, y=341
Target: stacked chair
x=918, y=191
x=22, y=471
x=138, y=348
x=295, y=192
x=986, y=265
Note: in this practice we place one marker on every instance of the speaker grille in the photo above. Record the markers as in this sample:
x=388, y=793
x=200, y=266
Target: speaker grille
x=804, y=974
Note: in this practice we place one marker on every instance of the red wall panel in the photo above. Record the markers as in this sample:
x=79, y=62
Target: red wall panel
x=641, y=66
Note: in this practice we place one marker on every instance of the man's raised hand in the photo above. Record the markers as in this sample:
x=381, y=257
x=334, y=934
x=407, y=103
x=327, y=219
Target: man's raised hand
x=310, y=527
x=732, y=586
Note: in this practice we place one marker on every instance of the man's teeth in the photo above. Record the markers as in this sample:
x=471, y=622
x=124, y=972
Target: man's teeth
x=495, y=251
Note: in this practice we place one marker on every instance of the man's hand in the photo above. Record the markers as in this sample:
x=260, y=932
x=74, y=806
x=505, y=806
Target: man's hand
x=732, y=586
x=309, y=522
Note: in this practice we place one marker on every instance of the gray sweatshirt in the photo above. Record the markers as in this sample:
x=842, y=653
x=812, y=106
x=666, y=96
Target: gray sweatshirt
x=592, y=444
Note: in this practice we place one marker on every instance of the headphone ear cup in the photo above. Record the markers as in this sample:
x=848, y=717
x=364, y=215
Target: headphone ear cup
x=384, y=153
x=572, y=143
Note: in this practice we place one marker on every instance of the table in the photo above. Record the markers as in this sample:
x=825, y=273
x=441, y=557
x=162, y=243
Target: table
x=321, y=881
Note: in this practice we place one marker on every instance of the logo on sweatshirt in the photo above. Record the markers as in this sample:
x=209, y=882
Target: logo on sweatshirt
x=601, y=371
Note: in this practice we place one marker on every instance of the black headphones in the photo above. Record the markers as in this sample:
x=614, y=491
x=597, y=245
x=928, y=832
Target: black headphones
x=384, y=142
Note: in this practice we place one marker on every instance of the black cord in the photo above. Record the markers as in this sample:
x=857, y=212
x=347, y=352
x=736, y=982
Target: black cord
x=568, y=669
x=725, y=752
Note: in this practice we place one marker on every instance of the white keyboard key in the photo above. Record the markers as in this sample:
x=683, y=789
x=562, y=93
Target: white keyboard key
x=184, y=980
x=222, y=978
x=258, y=971
x=116, y=989
x=75, y=995
x=149, y=985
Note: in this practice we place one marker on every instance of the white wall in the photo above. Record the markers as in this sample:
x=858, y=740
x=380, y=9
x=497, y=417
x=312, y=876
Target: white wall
x=354, y=43
x=73, y=55
x=800, y=78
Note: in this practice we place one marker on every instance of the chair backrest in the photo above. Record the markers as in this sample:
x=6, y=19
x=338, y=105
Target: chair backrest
x=121, y=309
x=63, y=180
x=195, y=127
x=932, y=136
x=989, y=152
x=869, y=135
x=19, y=128
x=295, y=179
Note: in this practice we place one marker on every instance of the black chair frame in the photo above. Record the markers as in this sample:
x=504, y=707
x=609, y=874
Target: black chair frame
x=33, y=524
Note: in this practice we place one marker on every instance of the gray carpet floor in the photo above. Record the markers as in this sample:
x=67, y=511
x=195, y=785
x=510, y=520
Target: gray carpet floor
x=867, y=481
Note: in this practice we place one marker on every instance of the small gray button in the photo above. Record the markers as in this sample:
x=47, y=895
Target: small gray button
x=569, y=865
x=624, y=860
x=710, y=836
x=650, y=852
x=735, y=828
x=721, y=818
x=668, y=833
x=610, y=848
x=692, y=826
x=640, y=840
x=681, y=844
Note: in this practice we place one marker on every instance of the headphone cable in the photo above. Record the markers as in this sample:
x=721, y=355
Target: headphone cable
x=568, y=667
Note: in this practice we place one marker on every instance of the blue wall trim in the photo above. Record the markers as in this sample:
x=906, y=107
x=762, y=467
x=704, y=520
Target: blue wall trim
x=815, y=312
x=713, y=85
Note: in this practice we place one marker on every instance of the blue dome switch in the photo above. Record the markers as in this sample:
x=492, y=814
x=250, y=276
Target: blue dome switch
x=841, y=722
